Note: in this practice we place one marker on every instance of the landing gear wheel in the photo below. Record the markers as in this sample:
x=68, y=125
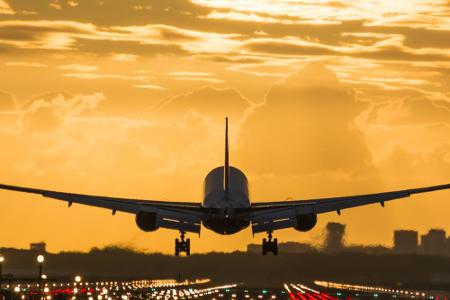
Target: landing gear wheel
x=269, y=245
x=182, y=245
x=264, y=247
x=177, y=247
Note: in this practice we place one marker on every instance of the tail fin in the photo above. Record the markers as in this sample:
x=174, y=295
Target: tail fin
x=226, y=167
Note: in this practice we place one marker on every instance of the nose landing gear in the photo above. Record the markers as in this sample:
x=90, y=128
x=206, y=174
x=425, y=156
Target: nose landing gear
x=182, y=245
x=270, y=245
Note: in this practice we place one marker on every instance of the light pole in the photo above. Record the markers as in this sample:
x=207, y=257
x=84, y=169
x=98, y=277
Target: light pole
x=40, y=259
x=2, y=259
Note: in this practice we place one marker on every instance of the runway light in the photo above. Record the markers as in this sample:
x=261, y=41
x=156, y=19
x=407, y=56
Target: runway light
x=40, y=258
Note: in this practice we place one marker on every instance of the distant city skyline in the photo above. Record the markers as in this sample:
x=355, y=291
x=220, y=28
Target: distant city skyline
x=434, y=242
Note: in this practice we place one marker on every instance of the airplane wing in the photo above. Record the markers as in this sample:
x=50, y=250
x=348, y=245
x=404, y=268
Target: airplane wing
x=182, y=216
x=267, y=216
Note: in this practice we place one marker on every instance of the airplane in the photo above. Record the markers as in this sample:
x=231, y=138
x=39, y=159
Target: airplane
x=226, y=208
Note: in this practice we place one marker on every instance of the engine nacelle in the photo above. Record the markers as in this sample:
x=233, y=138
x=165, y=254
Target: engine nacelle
x=306, y=222
x=146, y=221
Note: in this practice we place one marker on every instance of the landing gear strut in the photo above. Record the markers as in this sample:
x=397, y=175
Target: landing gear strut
x=270, y=245
x=182, y=245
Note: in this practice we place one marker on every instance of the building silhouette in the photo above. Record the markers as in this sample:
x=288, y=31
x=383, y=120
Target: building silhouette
x=406, y=242
x=38, y=247
x=434, y=243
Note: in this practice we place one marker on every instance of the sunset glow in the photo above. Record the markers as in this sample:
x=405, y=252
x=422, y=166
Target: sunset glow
x=128, y=98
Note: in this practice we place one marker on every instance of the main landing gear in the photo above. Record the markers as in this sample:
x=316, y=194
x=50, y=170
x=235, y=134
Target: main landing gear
x=182, y=245
x=270, y=245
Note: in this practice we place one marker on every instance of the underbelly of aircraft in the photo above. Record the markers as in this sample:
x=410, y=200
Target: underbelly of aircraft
x=226, y=225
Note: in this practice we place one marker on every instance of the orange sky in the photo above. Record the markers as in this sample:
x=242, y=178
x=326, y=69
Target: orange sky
x=128, y=98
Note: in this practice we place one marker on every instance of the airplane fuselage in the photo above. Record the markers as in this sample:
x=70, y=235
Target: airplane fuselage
x=225, y=202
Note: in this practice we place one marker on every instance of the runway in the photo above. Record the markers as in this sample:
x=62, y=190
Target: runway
x=209, y=290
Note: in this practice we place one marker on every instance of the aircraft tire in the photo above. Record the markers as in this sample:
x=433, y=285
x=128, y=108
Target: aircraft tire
x=177, y=247
x=264, y=247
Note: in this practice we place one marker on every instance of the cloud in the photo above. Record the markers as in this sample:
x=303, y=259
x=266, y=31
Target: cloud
x=70, y=35
x=97, y=76
x=134, y=49
x=72, y=3
x=258, y=18
x=25, y=64
x=118, y=12
x=195, y=76
x=79, y=68
x=149, y=86
x=403, y=161
x=124, y=57
x=427, y=38
x=221, y=39
x=5, y=8
x=43, y=114
x=55, y=5
x=42, y=34
x=231, y=58
x=306, y=125
x=7, y=102
x=411, y=12
x=204, y=79
x=388, y=49
x=190, y=74
x=210, y=102
x=410, y=111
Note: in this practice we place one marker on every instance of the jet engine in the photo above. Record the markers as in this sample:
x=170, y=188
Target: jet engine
x=306, y=222
x=146, y=221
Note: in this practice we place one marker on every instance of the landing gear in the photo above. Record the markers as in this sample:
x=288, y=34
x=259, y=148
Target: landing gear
x=182, y=245
x=270, y=245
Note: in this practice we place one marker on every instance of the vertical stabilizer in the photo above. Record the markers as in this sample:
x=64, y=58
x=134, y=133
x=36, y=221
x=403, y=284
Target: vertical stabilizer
x=226, y=167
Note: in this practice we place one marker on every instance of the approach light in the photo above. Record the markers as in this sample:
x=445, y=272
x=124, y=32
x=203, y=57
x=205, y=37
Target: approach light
x=40, y=258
